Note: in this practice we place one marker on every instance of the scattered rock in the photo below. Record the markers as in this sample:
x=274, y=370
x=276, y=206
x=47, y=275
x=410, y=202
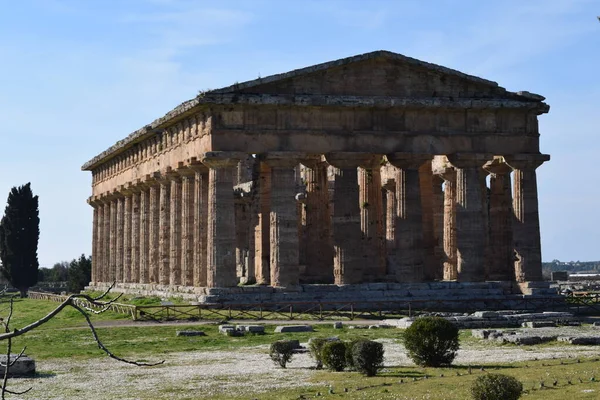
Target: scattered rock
x=190, y=333
x=293, y=328
x=24, y=366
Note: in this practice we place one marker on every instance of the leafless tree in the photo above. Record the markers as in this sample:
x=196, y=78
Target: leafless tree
x=82, y=303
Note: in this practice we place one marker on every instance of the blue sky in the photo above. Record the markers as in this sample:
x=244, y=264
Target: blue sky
x=76, y=76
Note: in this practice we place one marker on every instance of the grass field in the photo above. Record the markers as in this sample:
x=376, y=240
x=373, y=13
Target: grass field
x=66, y=342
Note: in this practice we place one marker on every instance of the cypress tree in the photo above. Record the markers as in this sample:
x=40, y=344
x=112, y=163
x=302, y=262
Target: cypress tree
x=19, y=235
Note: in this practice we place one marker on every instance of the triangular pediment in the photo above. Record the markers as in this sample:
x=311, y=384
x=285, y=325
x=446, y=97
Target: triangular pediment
x=379, y=73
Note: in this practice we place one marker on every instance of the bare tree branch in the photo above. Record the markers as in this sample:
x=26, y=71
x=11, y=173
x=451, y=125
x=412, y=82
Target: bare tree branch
x=108, y=352
x=9, y=363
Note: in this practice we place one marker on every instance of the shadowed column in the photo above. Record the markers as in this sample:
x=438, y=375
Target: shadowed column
x=407, y=262
x=470, y=226
x=187, y=227
x=164, y=229
x=221, y=218
x=144, y=234
x=135, y=235
x=318, y=253
x=126, y=274
x=262, y=258
x=200, y=223
x=526, y=222
x=283, y=220
x=175, y=229
x=348, y=266
x=449, y=235
x=501, y=258
x=153, y=230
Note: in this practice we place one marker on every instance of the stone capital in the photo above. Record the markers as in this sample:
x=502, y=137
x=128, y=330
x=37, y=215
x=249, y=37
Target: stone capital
x=469, y=160
x=195, y=165
x=349, y=159
x=526, y=161
x=94, y=201
x=408, y=160
x=497, y=166
x=447, y=174
x=151, y=179
x=222, y=159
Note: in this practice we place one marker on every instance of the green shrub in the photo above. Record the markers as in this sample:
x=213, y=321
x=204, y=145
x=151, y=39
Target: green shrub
x=334, y=355
x=281, y=352
x=315, y=346
x=496, y=387
x=431, y=341
x=349, y=355
x=367, y=357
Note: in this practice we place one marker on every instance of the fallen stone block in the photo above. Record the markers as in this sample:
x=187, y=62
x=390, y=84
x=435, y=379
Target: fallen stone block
x=580, y=340
x=190, y=333
x=251, y=328
x=293, y=328
x=538, y=324
x=24, y=366
x=337, y=325
x=485, y=314
x=224, y=328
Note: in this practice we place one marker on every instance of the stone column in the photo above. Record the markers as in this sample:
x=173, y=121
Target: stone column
x=318, y=253
x=187, y=228
x=120, y=219
x=126, y=274
x=164, y=228
x=145, y=218
x=200, y=223
x=105, y=269
x=135, y=235
x=501, y=258
x=283, y=220
x=449, y=235
x=262, y=257
x=221, y=218
x=426, y=185
x=371, y=215
x=470, y=226
x=390, y=218
x=153, y=231
x=526, y=222
x=175, y=229
x=96, y=238
x=438, y=226
x=408, y=258
x=112, y=271
x=348, y=263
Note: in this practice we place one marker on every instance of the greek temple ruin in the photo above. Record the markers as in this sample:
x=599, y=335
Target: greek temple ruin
x=374, y=172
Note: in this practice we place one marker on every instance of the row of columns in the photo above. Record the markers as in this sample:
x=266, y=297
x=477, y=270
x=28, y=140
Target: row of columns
x=179, y=227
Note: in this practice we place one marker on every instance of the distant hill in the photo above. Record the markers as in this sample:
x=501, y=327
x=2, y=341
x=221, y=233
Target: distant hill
x=571, y=266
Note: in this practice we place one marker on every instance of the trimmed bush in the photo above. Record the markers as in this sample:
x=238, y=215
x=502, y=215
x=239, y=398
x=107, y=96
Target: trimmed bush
x=349, y=354
x=316, y=350
x=281, y=352
x=334, y=355
x=431, y=341
x=367, y=357
x=496, y=387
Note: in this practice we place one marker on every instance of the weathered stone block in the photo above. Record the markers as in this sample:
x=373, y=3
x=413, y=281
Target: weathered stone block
x=251, y=328
x=25, y=366
x=190, y=333
x=337, y=325
x=293, y=328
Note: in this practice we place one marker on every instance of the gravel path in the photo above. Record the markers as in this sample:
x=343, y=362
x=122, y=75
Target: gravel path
x=247, y=370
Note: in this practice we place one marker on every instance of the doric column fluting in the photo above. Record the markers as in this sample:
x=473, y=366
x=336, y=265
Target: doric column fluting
x=112, y=271
x=144, y=234
x=501, y=259
x=221, y=270
x=187, y=227
x=408, y=259
x=317, y=230
x=200, y=224
x=153, y=230
x=164, y=236
x=438, y=226
x=105, y=267
x=371, y=218
x=390, y=218
x=96, y=241
x=284, y=241
x=126, y=270
x=175, y=231
x=348, y=263
x=470, y=225
x=135, y=263
x=120, y=220
x=526, y=222
x=449, y=233
x=262, y=257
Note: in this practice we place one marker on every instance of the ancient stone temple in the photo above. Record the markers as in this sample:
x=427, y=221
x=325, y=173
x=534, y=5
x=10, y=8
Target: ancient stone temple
x=378, y=172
